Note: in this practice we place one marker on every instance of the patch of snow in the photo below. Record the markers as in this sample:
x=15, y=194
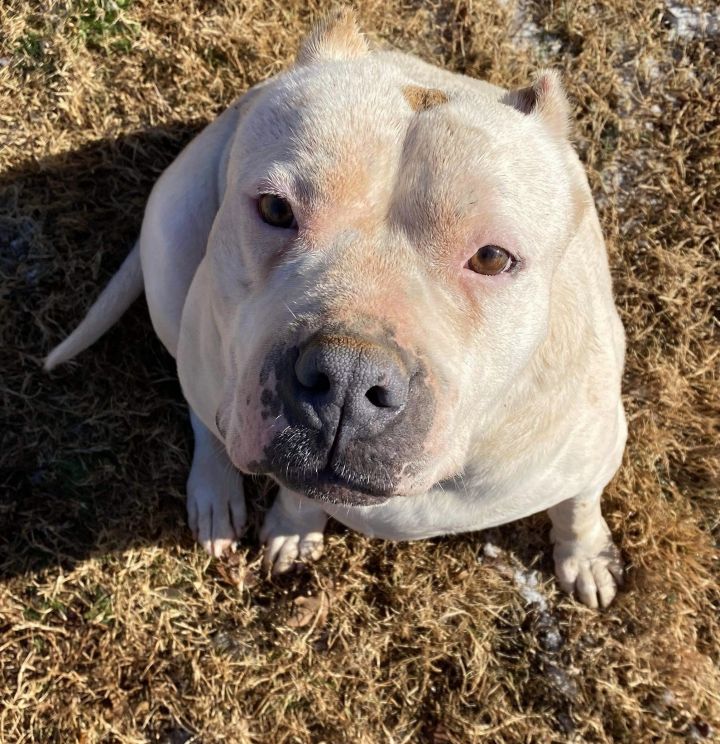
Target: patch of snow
x=688, y=22
x=527, y=584
x=652, y=68
x=525, y=31
x=561, y=681
x=490, y=550
x=552, y=639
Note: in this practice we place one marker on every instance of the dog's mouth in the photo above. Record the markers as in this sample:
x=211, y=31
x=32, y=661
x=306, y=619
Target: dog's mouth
x=299, y=459
x=348, y=489
x=333, y=481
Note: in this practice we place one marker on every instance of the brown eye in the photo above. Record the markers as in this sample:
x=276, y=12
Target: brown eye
x=275, y=211
x=491, y=259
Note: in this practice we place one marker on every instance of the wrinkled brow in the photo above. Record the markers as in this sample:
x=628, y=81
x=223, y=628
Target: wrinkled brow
x=277, y=181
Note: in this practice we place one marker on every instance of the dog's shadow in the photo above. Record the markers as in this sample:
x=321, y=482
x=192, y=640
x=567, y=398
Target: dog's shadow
x=94, y=456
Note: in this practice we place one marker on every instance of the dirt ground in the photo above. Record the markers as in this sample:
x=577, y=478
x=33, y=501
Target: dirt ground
x=115, y=627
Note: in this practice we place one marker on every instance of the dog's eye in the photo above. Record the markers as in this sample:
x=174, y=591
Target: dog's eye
x=491, y=259
x=276, y=211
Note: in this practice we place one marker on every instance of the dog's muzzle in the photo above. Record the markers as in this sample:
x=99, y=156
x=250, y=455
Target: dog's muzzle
x=355, y=417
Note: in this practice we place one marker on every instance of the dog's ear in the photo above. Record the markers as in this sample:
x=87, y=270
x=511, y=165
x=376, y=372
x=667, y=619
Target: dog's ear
x=545, y=99
x=336, y=37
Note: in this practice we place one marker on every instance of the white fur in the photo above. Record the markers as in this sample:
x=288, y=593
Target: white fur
x=526, y=369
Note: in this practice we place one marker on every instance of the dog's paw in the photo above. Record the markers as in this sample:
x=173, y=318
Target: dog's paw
x=216, y=509
x=591, y=568
x=291, y=534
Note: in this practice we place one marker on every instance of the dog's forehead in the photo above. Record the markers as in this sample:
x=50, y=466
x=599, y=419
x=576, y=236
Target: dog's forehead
x=363, y=132
x=360, y=105
x=333, y=109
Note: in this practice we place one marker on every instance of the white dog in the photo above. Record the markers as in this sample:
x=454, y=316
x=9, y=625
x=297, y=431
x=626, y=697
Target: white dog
x=385, y=286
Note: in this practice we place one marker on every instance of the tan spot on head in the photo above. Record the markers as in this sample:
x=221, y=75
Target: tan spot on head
x=422, y=99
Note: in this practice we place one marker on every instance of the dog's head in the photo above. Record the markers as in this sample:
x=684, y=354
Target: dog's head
x=381, y=265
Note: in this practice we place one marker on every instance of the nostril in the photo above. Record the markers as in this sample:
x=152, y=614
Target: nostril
x=379, y=397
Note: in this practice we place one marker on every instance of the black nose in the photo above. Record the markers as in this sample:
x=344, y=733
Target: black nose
x=348, y=387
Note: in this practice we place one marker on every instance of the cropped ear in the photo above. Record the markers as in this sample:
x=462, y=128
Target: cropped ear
x=545, y=100
x=336, y=37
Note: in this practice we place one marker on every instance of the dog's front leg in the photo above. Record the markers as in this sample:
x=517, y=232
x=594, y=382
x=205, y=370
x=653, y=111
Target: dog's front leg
x=215, y=497
x=586, y=559
x=292, y=530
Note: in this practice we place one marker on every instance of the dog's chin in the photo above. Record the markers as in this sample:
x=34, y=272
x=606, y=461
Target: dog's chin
x=333, y=489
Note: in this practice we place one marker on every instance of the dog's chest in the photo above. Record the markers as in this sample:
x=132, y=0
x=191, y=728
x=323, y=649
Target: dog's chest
x=450, y=510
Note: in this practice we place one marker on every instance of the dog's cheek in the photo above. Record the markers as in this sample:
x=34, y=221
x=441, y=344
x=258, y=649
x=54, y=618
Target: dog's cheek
x=256, y=419
x=251, y=438
x=446, y=442
x=443, y=357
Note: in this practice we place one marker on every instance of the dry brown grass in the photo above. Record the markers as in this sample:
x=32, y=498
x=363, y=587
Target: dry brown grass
x=114, y=625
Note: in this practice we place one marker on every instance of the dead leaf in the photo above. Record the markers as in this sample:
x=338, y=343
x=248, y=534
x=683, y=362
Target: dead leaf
x=233, y=569
x=309, y=610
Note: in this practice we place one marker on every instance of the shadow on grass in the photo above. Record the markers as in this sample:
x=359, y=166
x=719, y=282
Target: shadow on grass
x=94, y=456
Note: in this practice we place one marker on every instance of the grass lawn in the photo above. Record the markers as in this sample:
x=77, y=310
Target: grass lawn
x=116, y=627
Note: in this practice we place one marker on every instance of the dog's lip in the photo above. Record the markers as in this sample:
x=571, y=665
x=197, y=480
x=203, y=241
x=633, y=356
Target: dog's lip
x=326, y=485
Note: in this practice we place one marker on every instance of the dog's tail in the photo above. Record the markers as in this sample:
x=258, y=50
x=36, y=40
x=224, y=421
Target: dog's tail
x=122, y=290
